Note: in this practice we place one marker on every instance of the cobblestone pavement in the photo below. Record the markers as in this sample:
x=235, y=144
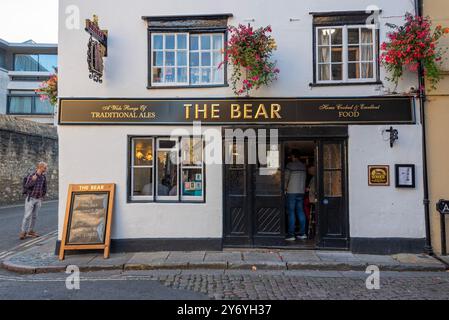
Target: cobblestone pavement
x=303, y=286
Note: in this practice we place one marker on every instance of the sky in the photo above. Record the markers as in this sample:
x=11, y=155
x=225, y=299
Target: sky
x=22, y=20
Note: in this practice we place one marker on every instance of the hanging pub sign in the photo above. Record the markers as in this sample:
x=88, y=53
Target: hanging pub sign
x=360, y=110
x=88, y=218
x=96, y=49
x=378, y=175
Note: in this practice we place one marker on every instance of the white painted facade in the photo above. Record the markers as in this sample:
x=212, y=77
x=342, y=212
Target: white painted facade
x=97, y=154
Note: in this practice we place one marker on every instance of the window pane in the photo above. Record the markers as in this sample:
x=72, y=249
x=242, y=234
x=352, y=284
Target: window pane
x=217, y=75
x=337, y=36
x=353, y=36
x=332, y=184
x=170, y=58
x=354, y=53
x=192, y=182
x=142, y=181
x=367, y=35
x=182, y=75
x=143, y=152
x=323, y=54
x=194, y=75
x=158, y=42
x=367, y=53
x=353, y=71
x=182, y=41
x=205, y=42
x=26, y=62
x=205, y=59
x=332, y=156
x=324, y=36
x=367, y=70
x=170, y=75
x=192, y=151
x=169, y=42
x=194, y=59
x=194, y=42
x=181, y=58
x=205, y=75
x=337, y=72
x=158, y=58
x=218, y=42
x=337, y=54
x=20, y=104
x=43, y=107
x=324, y=72
x=218, y=58
x=167, y=173
x=157, y=74
x=48, y=62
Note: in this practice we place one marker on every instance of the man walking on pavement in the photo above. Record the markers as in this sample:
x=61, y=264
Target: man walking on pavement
x=35, y=190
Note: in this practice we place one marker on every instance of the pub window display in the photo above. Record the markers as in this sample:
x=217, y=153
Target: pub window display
x=184, y=59
x=177, y=169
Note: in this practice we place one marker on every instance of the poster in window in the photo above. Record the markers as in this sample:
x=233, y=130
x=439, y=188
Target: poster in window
x=87, y=223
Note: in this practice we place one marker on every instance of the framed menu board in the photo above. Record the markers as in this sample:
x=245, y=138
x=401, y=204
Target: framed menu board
x=88, y=217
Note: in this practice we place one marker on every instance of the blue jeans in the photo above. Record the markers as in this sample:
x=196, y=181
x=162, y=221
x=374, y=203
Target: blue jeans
x=295, y=206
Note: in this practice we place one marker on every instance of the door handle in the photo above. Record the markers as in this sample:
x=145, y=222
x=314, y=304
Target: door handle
x=325, y=201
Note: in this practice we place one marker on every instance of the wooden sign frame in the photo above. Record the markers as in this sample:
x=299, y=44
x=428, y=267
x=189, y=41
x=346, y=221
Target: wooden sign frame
x=385, y=168
x=87, y=189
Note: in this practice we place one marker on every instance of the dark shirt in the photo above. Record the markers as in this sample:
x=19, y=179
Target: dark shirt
x=36, y=189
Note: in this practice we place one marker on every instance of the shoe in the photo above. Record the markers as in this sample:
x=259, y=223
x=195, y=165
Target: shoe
x=33, y=234
x=292, y=238
x=303, y=237
x=22, y=236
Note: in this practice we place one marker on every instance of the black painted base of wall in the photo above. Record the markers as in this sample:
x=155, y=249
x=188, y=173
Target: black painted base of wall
x=148, y=245
x=385, y=246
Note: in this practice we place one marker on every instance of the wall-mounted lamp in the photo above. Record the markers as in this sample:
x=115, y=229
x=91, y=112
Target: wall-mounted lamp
x=394, y=135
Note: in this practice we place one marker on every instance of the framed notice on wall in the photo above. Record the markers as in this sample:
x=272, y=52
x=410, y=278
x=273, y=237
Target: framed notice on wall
x=405, y=175
x=88, y=217
x=379, y=175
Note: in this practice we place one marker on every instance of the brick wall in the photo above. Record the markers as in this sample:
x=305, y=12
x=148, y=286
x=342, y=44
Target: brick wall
x=23, y=144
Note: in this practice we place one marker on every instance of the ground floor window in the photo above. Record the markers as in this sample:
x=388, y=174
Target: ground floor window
x=176, y=165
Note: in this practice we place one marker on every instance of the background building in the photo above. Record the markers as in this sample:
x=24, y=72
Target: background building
x=23, y=66
x=437, y=117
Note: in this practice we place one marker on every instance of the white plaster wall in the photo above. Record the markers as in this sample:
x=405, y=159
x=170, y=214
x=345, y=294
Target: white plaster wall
x=91, y=154
x=379, y=212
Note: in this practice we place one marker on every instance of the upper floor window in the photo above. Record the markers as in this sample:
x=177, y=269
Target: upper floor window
x=346, y=49
x=28, y=103
x=182, y=59
x=35, y=62
x=186, y=51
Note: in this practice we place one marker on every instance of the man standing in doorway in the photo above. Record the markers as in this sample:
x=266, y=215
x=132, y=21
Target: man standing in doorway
x=295, y=186
x=36, y=189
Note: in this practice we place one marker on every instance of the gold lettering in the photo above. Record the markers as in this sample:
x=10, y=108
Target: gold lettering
x=187, y=108
x=247, y=111
x=198, y=110
x=275, y=109
x=214, y=111
x=235, y=111
x=261, y=111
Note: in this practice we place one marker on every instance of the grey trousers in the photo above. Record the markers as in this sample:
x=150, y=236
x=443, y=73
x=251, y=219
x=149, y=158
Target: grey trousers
x=32, y=207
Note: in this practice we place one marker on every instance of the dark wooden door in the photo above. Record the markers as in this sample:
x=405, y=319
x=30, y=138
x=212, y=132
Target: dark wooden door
x=253, y=197
x=332, y=205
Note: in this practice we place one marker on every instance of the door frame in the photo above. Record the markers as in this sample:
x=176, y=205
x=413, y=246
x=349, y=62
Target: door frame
x=291, y=133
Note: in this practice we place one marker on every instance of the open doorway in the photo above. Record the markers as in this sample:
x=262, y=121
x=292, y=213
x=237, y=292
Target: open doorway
x=300, y=193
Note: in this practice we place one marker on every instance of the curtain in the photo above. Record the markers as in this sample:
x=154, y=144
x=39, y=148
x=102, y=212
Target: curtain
x=367, y=53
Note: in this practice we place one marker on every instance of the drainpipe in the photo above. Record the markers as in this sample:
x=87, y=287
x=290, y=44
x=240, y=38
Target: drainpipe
x=422, y=100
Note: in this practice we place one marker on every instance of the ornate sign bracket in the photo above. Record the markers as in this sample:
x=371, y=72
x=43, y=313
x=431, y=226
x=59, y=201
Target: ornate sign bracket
x=97, y=49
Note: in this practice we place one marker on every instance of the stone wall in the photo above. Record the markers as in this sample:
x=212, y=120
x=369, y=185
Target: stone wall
x=23, y=144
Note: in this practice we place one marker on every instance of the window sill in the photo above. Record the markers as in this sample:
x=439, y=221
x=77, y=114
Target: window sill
x=30, y=114
x=347, y=84
x=189, y=87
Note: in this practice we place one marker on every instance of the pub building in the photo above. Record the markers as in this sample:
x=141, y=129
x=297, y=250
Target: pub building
x=151, y=112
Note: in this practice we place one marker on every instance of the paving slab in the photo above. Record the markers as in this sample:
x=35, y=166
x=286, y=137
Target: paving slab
x=224, y=256
x=299, y=256
x=377, y=259
x=115, y=261
x=335, y=256
x=415, y=259
x=148, y=258
x=185, y=257
x=255, y=257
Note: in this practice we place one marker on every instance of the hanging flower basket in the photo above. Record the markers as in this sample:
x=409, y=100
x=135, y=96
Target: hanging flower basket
x=249, y=51
x=412, y=44
x=48, y=90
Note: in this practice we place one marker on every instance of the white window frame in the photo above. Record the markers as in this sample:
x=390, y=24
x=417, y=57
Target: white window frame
x=163, y=83
x=176, y=150
x=196, y=167
x=345, y=57
x=141, y=198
